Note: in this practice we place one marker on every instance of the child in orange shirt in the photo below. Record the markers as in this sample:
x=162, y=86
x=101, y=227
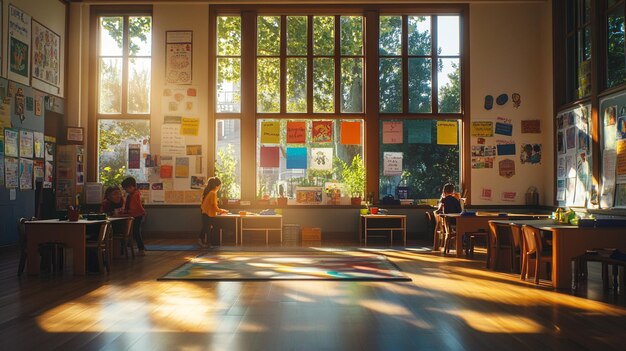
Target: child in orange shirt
x=134, y=208
x=210, y=210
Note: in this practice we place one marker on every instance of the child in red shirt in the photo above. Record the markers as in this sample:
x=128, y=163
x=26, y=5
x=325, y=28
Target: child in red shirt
x=134, y=208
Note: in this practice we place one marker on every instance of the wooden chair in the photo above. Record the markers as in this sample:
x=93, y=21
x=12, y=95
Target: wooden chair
x=449, y=234
x=533, y=247
x=580, y=269
x=21, y=229
x=472, y=242
x=435, y=227
x=501, y=239
x=125, y=237
x=101, y=246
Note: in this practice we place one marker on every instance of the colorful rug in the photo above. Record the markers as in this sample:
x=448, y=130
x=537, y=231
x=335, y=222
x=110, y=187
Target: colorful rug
x=292, y=266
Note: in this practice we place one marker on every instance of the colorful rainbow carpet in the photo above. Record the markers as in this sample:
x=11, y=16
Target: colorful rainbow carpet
x=237, y=266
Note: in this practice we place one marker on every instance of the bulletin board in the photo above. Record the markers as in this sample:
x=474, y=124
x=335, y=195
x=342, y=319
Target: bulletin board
x=613, y=150
x=574, y=159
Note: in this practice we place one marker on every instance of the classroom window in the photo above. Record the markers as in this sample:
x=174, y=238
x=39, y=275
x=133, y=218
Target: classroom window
x=417, y=157
x=228, y=156
x=578, y=50
x=615, y=54
x=228, y=87
x=306, y=156
x=124, y=63
x=421, y=65
x=122, y=145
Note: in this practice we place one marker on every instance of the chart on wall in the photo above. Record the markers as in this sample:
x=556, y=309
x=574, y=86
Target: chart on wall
x=46, y=49
x=574, y=185
x=18, y=45
x=613, y=150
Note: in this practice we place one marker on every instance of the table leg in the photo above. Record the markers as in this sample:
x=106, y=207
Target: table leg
x=460, y=230
x=404, y=229
x=365, y=232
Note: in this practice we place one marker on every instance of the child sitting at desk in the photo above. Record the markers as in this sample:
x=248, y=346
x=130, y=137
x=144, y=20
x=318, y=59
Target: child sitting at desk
x=449, y=202
x=210, y=211
x=113, y=201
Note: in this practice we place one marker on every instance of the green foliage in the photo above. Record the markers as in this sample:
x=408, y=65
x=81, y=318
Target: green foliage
x=111, y=177
x=354, y=176
x=225, y=167
x=616, y=66
x=113, y=138
x=139, y=29
x=450, y=95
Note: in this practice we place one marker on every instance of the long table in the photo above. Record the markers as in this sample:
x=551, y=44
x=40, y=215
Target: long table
x=480, y=222
x=255, y=222
x=71, y=234
x=364, y=228
x=569, y=241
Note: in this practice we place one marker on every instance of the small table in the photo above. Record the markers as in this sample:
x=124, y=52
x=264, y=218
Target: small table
x=268, y=223
x=72, y=234
x=371, y=217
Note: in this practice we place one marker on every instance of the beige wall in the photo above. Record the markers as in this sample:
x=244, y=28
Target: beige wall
x=50, y=13
x=511, y=52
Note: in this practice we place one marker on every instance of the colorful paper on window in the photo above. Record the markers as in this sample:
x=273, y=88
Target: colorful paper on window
x=270, y=132
x=447, y=133
x=351, y=133
x=392, y=132
x=322, y=131
x=321, y=158
x=296, y=132
x=270, y=157
x=419, y=131
x=392, y=163
x=296, y=157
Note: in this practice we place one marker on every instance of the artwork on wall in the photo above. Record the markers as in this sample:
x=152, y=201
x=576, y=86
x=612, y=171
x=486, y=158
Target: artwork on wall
x=178, y=57
x=46, y=59
x=19, y=45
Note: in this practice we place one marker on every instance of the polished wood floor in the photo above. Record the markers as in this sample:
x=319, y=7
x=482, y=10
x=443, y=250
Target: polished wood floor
x=451, y=304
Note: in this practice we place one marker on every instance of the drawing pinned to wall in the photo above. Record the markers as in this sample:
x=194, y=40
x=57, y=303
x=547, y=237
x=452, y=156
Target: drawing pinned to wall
x=482, y=129
x=570, y=137
x=610, y=115
x=570, y=190
x=508, y=196
x=26, y=174
x=26, y=143
x=392, y=163
x=608, y=178
x=482, y=162
x=486, y=194
x=134, y=156
x=172, y=143
x=560, y=190
x=506, y=168
x=350, y=133
x=621, y=128
x=517, y=100
x=506, y=147
x=197, y=182
x=321, y=159
x=157, y=193
x=38, y=144
x=488, y=102
x=11, y=172
x=19, y=104
x=392, y=132
x=322, y=131
x=199, y=164
x=583, y=141
x=620, y=164
x=502, y=99
x=178, y=63
x=483, y=150
x=531, y=153
x=178, y=100
x=481, y=141
x=167, y=167
x=504, y=128
x=189, y=126
x=46, y=70
x=194, y=150
x=19, y=38
x=531, y=126
x=560, y=168
x=620, y=196
x=182, y=167
x=48, y=175
x=296, y=132
x=560, y=142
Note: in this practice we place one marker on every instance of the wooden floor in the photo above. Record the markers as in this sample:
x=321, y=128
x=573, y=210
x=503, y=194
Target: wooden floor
x=451, y=304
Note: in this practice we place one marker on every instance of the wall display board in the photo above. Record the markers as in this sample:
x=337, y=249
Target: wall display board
x=574, y=158
x=46, y=59
x=19, y=45
x=613, y=151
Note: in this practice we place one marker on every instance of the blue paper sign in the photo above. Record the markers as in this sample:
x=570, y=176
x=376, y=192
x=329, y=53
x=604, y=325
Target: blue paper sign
x=296, y=158
x=506, y=149
x=419, y=131
x=504, y=129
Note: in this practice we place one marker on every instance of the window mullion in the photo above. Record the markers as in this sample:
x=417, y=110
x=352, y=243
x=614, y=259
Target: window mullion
x=125, y=64
x=337, y=60
x=309, y=63
x=434, y=65
x=283, y=64
x=405, y=64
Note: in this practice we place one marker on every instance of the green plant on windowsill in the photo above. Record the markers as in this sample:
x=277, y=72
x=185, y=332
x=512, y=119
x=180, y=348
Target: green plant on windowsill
x=111, y=177
x=225, y=166
x=354, y=178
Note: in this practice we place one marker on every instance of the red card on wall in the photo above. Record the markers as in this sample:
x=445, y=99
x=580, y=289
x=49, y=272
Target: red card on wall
x=270, y=157
x=296, y=132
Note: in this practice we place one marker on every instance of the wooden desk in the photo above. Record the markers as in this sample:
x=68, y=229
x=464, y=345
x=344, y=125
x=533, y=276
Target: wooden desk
x=71, y=234
x=480, y=222
x=364, y=228
x=569, y=241
x=262, y=223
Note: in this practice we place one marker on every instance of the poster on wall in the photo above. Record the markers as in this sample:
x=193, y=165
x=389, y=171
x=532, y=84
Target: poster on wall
x=11, y=172
x=46, y=70
x=177, y=100
x=10, y=142
x=26, y=174
x=26, y=143
x=38, y=144
x=2, y=168
x=178, y=60
x=19, y=45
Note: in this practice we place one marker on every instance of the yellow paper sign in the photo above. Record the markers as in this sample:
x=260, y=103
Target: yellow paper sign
x=189, y=126
x=447, y=133
x=621, y=158
x=270, y=132
x=482, y=129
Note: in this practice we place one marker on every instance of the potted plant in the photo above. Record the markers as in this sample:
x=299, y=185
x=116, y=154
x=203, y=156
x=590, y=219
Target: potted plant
x=282, y=199
x=225, y=166
x=354, y=179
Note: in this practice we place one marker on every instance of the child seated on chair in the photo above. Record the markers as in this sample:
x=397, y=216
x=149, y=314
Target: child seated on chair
x=210, y=211
x=449, y=202
x=113, y=201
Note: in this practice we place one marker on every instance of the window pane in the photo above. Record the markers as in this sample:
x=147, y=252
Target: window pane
x=296, y=85
x=323, y=35
x=419, y=35
x=139, y=85
x=584, y=44
x=351, y=85
x=111, y=33
x=268, y=35
x=140, y=32
x=351, y=35
x=114, y=137
x=228, y=157
x=390, y=84
x=293, y=174
x=420, y=85
x=448, y=34
x=425, y=165
x=390, y=36
x=570, y=15
x=570, y=67
x=268, y=85
x=229, y=85
x=228, y=36
x=584, y=62
x=586, y=11
x=616, y=65
x=324, y=85
x=296, y=35
x=449, y=80
x=110, y=89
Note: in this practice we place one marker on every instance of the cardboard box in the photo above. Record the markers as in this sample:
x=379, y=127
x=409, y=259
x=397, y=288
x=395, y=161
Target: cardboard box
x=311, y=234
